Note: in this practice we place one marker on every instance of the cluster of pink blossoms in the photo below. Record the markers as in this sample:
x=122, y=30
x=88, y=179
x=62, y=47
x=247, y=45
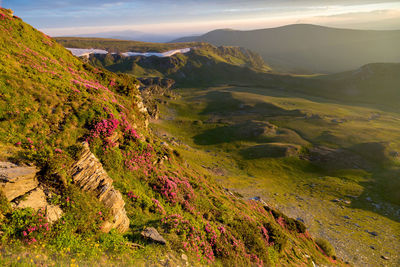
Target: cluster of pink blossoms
x=158, y=206
x=132, y=196
x=39, y=228
x=175, y=190
x=140, y=160
x=104, y=128
x=196, y=241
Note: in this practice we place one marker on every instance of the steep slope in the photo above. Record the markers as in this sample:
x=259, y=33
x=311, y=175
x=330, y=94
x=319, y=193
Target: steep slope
x=51, y=102
x=302, y=48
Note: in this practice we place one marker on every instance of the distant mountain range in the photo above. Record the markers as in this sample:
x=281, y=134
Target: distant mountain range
x=130, y=35
x=304, y=48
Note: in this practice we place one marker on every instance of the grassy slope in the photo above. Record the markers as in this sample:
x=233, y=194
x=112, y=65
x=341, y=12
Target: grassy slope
x=50, y=102
x=211, y=122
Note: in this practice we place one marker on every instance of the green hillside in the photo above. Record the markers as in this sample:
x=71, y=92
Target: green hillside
x=323, y=148
x=302, y=48
x=332, y=163
x=203, y=65
x=51, y=102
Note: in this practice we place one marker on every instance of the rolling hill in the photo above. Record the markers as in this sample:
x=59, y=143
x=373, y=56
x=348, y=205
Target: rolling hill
x=303, y=48
x=74, y=139
x=204, y=64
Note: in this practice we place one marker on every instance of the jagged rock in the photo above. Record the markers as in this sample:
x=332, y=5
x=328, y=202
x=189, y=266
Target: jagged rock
x=89, y=175
x=16, y=181
x=152, y=233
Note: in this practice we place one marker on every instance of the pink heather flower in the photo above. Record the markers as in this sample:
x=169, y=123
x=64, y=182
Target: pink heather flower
x=222, y=229
x=57, y=150
x=24, y=233
x=100, y=213
x=29, y=140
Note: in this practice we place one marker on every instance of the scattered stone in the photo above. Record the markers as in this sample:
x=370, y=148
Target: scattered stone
x=53, y=213
x=336, y=200
x=152, y=233
x=185, y=257
x=348, y=202
x=300, y=219
x=346, y=217
x=385, y=258
x=368, y=199
x=372, y=247
x=373, y=233
x=377, y=206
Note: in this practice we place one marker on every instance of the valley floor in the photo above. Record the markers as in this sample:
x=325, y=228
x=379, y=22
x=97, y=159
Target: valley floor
x=331, y=165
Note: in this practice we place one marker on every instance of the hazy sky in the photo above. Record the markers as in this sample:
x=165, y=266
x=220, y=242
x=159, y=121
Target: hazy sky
x=198, y=16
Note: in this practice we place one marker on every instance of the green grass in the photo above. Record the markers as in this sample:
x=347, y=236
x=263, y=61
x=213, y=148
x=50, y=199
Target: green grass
x=218, y=122
x=50, y=102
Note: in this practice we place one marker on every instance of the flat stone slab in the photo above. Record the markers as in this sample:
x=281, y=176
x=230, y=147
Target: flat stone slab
x=16, y=181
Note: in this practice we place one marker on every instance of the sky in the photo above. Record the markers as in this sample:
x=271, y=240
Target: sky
x=188, y=17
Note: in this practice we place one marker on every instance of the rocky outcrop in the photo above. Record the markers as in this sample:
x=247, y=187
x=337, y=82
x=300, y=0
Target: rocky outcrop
x=157, y=81
x=152, y=234
x=21, y=187
x=16, y=181
x=153, y=90
x=89, y=175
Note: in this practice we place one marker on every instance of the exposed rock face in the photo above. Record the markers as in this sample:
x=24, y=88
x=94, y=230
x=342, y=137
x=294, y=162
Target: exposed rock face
x=153, y=90
x=16, y=181
x=157, y=81
x=20, y=182
x=152, y=234
x=89, y=175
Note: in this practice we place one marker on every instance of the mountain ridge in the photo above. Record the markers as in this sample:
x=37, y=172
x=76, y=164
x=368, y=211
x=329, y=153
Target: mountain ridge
x=287, y=48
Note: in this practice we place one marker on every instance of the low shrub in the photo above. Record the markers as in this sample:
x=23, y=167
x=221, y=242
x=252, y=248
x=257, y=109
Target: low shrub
x=326, y=247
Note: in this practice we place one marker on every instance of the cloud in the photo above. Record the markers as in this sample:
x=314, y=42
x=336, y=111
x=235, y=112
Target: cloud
x=97, y=15
x=377, y=19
